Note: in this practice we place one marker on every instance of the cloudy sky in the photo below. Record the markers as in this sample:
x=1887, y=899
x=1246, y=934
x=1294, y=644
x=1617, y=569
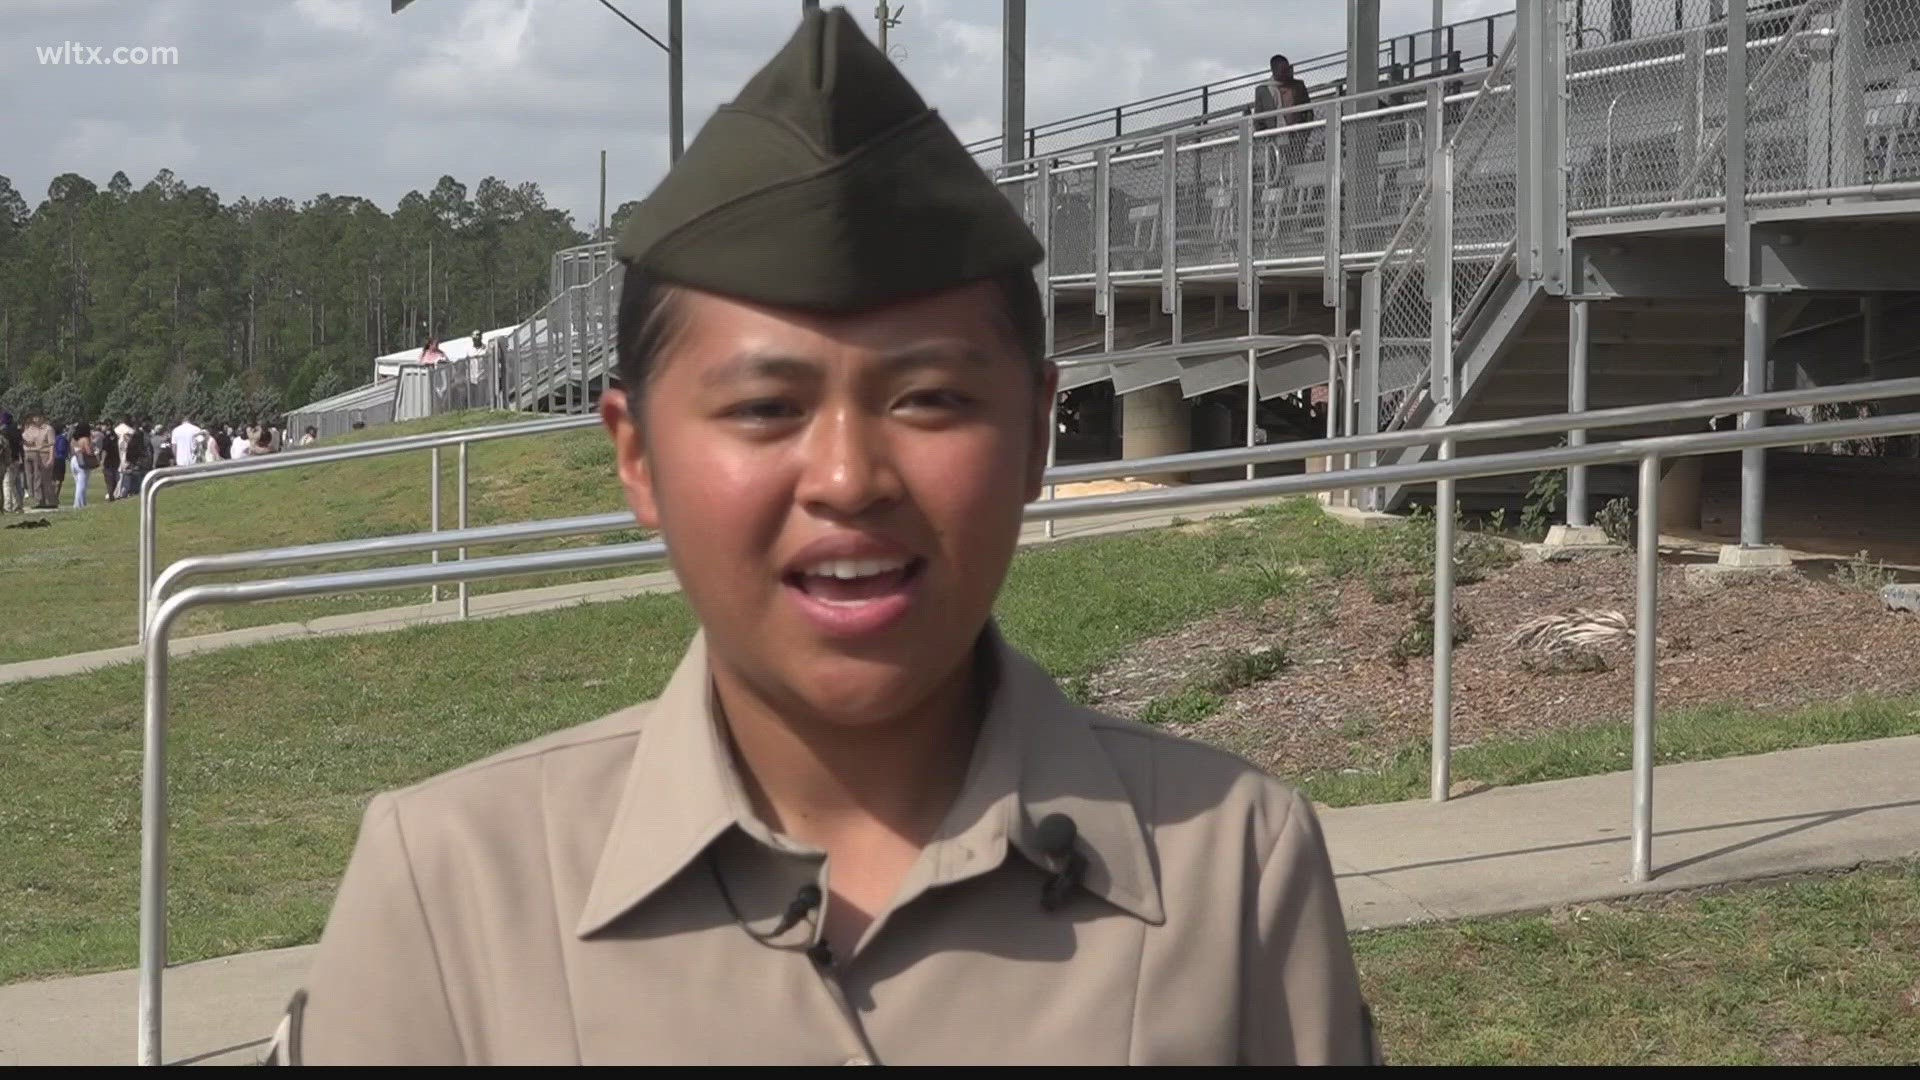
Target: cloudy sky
x=300, y=97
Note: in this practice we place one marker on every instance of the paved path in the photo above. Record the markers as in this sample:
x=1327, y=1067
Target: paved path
x=1501, y=851
x=520, y=602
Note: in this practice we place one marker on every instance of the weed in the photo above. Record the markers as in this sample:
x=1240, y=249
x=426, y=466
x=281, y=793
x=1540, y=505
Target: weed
x=1187, y=705
x=1417, y=639
x=1618, y=521
x=1860, y=574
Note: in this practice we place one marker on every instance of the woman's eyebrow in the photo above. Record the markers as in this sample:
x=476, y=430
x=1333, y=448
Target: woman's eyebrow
x=771, y=365
x=932, y=354
x=760, y=365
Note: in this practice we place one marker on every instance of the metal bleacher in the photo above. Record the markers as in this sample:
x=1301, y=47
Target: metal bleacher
x=1575, y=165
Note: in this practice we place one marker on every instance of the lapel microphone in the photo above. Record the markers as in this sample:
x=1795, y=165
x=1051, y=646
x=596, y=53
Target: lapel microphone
x=1056, y=835
x=805, y=901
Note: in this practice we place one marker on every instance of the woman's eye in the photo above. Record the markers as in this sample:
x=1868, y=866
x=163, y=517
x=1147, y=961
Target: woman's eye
x=936, y=399
x=764, y=411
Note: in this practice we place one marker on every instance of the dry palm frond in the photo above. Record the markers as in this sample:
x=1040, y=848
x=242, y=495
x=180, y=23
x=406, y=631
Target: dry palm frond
x=1583, y=630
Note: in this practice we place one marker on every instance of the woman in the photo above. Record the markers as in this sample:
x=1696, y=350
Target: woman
x=857, y=826
x=80, y=443
x=109, y=453
x=264, y=441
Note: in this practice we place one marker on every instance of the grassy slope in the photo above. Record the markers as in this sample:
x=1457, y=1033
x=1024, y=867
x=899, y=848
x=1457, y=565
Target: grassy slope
x=70, y=588
x=1820, y=971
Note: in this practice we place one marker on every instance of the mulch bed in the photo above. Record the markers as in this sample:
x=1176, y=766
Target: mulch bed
x=1342, y=703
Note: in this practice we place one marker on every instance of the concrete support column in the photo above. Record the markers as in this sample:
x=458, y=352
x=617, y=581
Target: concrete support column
x=1753, y=463
x=1154, y=422
x=1680, y=493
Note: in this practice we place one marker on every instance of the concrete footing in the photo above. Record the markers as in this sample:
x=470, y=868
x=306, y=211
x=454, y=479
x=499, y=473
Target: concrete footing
x=1739, y=563
x=1760, y=557
x=1364, y=519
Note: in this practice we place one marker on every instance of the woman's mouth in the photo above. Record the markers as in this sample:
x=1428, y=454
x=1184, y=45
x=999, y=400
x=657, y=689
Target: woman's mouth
x=852, y=597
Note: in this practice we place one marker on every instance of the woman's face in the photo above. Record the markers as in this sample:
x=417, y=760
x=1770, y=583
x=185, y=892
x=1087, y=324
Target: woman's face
x=841, y=496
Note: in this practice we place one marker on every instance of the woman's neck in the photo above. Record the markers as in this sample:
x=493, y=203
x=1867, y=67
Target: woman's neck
x=819, y=782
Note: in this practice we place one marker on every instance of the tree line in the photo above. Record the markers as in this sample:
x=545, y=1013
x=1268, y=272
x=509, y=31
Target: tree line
x=164, y=299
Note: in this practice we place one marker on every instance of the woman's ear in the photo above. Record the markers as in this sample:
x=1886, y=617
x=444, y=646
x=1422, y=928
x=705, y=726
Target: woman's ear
x=1045, y=394
x=620, y=413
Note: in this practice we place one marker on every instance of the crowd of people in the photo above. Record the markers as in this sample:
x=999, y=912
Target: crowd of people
x=37, y=459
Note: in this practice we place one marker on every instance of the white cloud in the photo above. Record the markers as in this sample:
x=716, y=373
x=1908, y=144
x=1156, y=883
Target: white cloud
x=346, y=16
x=342, y=96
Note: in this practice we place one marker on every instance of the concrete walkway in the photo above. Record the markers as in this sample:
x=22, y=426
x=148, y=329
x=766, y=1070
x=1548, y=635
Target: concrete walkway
x=523, y=601
x=1501, y=851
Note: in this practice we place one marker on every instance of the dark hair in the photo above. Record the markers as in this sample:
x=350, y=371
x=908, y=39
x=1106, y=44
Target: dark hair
x=1276, y=58
x=648, y=317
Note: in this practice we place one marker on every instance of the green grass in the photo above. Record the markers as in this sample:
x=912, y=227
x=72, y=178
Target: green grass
x=71, y=588
x=275, y=749
x=1820, y=971
x=1683, y=735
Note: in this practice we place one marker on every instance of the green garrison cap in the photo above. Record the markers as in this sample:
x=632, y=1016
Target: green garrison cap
x=827, y=185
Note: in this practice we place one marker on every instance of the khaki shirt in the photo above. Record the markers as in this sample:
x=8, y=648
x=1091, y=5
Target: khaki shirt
x=581, y=898
x=37, y=440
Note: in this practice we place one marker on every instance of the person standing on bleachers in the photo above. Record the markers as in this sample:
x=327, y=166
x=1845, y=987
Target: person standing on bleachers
x=1284, y=90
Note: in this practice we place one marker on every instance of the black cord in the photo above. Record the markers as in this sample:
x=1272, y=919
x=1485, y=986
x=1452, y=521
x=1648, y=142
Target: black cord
x=636, y=26
x=804, y=902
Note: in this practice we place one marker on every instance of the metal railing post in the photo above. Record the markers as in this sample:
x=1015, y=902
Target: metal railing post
x=1753, y=463
x=1253, y=403
x=1368, y=399
x=433, y=512
x=463, y=524
x=1053, y=439
x=1103, y=239
x=1333, y=279
x=1443, y=507
x=1577, y=337
x=1440, y=280
x=149, y=530
x=153, y=841
x=1245, y=207
x=1169, y=227
x=1645, y=659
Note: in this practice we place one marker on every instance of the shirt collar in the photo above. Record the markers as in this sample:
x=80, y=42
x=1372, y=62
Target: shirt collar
x=1036, y=755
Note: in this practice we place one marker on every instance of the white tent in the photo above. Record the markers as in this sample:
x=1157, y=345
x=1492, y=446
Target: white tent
x=458, y=348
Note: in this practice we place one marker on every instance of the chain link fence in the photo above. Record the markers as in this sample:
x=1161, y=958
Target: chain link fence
x=1839, y=109
x=1383, y=165
x=1645, y=95
x=1486, y=196
x=1887, y=92
x=1290, y=187
x=1135, y=198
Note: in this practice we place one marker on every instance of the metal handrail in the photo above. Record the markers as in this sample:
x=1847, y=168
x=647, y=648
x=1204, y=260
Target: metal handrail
x=1067, y=125
x=1228, y=129
x=1516, y=427
x=1649, y=453
x=159, y=480
x=381, y=546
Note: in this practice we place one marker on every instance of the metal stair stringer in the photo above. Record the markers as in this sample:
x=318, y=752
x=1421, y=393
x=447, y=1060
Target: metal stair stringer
x=1478, y=353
